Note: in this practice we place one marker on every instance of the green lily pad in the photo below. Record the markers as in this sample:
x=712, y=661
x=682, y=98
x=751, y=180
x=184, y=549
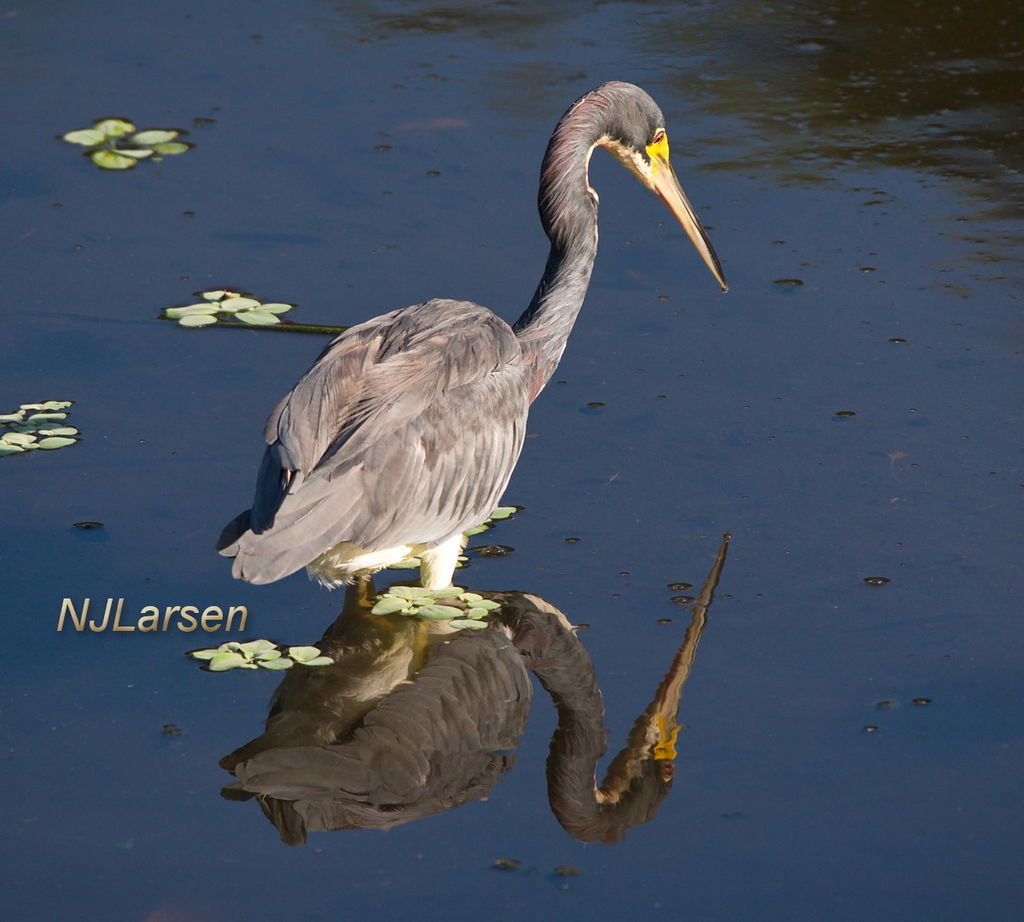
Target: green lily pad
x=281, y=663
x=51, y=429
x=7, y=448
x=170, y=147
x=228, y=659
x=465, y=623
x=197, y=320
x=318, y=661
x=487, y=604
x=114, y=127
x=204, y=654
x=88, y=137
x=55, y=441
x=108, y=160
x=439, y=612
x=48, y=405
x=218, y=294
x=153, y=136
x=502, y=512
x=253, y=647
x=406, y=563
x=275, y=307
x=388, y=606
x=257, y=317
x=301, y=654
x=237, y=303
x=138, y=153
x=476, y=613
x=18, y=438
x=204, y=307
x=45, y=417
x=409, y=592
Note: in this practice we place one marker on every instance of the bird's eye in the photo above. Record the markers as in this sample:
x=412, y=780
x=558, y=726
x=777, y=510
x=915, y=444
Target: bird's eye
x=659, y=136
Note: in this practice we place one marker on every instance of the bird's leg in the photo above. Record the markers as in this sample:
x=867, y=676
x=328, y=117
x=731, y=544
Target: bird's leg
x=438, y=563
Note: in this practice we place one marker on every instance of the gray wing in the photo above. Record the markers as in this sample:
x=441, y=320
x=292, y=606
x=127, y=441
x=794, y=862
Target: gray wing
x=404, y=431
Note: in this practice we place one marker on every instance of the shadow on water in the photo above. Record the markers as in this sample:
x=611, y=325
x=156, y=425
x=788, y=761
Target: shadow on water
x=415, y=718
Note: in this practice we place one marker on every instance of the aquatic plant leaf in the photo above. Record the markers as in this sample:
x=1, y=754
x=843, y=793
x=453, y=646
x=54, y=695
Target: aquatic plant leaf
x=267, y=655
x=258, y=318
x=487, y=604
x=282, y=663
x=56, y=441
x=170, y=147
x=203, y=307
x=137, y=153
x=237, y=303
x=409, y=592
x=470, y=597
x=108, y=160
x=197, y=320
x=464, y=623
x=479, y=529
x=388, y=606
x=406, y=563
x=301, y=654
x=8, y=448
x=55, y=429
x=17, y=438
x=48, y=405
x=476, y=613
x=257, y=646
x=153, y=136
x=439, y=612
x=502, y=512
x=318, y=661
x=275, y=307
x=217, y=294
x=225, y=660
x=205, y=654
x=114, y=127
x=45, y=417
x=12, y=417
x=89, y=137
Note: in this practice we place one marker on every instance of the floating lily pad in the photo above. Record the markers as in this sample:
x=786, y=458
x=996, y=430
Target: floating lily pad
x=197, y=320
x=258, y=317
x=56, y=441
x=176, y=313
x=36, y=425
x=466, y=623
x=171, y=147
x=104, y=147
x=223, y=305
x=228, y=659
x=237, y=303
x=89, y=137
x=439, y=612
x=153, y=136
x=255, y=654
x=388, y=606
x=114, y=127
x=301, y=654
x=108, y=160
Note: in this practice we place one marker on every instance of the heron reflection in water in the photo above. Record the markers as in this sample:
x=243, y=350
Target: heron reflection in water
x=405, y=431
x=408, y=723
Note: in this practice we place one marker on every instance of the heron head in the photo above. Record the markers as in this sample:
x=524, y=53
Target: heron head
x=636, y=137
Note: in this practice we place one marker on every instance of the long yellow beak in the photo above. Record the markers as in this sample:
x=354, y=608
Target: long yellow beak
x=665, y=184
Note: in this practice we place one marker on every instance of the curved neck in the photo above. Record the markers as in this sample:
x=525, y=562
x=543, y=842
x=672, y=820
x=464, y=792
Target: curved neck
x=568, y=211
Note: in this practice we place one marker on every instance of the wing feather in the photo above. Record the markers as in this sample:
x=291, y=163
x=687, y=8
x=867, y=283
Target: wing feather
x=405, y=431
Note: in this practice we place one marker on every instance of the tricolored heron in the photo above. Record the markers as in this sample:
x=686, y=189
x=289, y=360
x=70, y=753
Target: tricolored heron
x=405, y=431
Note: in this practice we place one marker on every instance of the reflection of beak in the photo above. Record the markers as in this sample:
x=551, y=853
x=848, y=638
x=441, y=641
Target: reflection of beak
x=671, y=193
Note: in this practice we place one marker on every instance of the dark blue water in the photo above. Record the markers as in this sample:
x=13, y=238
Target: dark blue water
x=366, y=156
